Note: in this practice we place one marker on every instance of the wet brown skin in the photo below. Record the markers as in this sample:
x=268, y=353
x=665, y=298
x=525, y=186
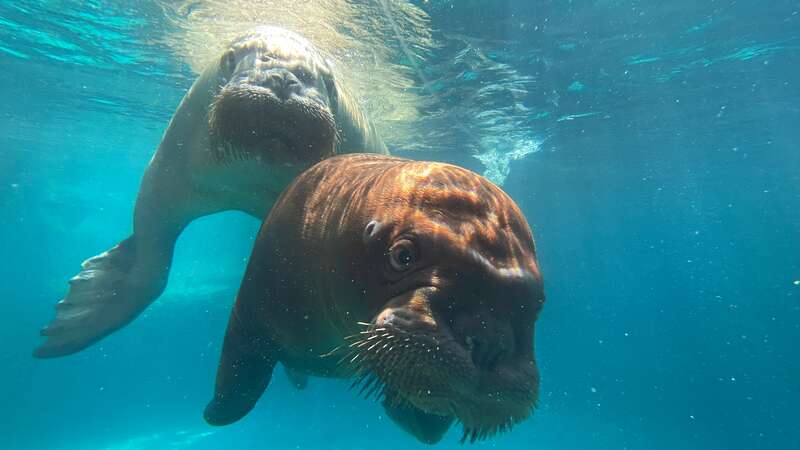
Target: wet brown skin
x=418, y=279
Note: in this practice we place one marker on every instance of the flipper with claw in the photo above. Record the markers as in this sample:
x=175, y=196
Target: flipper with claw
x=110, y=291
x=245, y=370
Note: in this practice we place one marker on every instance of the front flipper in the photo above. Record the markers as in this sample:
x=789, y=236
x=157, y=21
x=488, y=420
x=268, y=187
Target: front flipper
x=245, y=369
x=110, y=291
x=428, y=428
x=117, y=285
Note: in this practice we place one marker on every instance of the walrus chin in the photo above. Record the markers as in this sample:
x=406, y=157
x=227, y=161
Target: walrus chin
x=404, y=356
x=247, y=122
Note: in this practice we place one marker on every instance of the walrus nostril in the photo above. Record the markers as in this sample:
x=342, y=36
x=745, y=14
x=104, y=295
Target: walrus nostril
x=281, y=82
x=371, y=230
x=387, y=319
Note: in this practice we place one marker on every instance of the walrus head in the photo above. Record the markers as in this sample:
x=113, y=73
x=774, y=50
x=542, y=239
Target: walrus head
x=275, y=102
x=455, y=289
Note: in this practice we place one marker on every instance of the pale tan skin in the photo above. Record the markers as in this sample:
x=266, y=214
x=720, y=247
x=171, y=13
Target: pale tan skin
x=465, y=295
x=189, y=176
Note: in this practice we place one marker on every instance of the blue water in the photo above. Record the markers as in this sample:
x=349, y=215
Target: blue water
x=653, y=147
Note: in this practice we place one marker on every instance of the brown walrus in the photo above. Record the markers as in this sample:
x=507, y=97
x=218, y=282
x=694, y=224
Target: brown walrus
x=419, y=279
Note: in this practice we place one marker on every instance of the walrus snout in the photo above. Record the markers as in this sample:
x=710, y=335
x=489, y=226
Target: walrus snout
x=484, y=340
x=247, y=121
x=403, y=318
x=461, y=349
x=486, y=352
x=279, y=81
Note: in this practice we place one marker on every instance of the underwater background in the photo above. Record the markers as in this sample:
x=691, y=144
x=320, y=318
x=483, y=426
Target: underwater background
x=653, y=147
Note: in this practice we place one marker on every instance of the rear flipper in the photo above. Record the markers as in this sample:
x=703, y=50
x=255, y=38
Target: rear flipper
x=111, y=290
x=245, y=369
x=428, y=428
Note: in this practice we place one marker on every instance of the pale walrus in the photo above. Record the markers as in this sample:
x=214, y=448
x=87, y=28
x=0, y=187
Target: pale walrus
x=419, y=279
x=267, y=109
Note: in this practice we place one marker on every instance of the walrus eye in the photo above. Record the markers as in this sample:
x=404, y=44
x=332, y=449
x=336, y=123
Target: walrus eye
x=402, y=255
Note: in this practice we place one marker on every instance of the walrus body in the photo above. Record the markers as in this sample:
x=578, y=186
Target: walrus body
x=417, y=278
x=269, y=108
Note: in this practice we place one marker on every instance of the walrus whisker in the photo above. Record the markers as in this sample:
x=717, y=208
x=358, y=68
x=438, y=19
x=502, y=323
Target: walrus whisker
x=357, y=357
x=375, y=386
x=357, y=381
x=368, y=340
x=369, y=384
x=332, y=352
x=344, y=357
x=355, y=370
x=383, y=359
x=371, y=379
x=359, y=344
x=378, y=391
x=382, y=394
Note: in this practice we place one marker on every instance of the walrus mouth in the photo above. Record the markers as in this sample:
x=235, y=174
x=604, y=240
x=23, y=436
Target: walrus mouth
x=433, y=372
x=247, y=121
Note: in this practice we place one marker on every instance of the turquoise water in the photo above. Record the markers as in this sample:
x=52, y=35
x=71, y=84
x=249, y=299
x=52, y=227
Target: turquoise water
x=653, y=148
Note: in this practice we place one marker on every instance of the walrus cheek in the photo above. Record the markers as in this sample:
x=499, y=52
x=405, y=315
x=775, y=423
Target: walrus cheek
x=419, y=361
x=313, y=95
x=485, y=402
x=434, y=381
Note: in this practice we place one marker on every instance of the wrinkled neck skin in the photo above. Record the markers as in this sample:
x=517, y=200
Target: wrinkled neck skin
x=356, y=133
